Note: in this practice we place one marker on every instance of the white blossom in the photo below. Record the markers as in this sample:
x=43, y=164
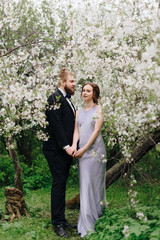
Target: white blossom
x=125, y=231
x=112, y=43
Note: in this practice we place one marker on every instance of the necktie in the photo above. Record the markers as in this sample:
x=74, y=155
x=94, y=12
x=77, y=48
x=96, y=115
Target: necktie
x=68, y=96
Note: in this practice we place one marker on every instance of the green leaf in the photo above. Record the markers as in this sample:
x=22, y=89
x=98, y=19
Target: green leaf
x=135, y=229
x=155, y=233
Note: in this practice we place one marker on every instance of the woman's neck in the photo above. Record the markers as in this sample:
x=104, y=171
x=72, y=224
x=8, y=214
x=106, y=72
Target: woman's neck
x=89, y=105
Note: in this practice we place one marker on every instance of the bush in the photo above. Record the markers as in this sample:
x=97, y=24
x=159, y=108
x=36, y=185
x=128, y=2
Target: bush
x=34, y=177
x=3, y=149
x=149, y=165
x=6, y=171
x=73, y=178
x=122, y=224
x=37, y=176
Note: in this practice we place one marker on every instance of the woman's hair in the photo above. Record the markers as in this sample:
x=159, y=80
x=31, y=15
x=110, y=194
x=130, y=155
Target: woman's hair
x=64, y=73
x=96, y=91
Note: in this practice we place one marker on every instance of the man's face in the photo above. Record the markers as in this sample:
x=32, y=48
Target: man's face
x=69, y=85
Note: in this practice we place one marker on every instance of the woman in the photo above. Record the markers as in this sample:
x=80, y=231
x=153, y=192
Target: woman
x=92, y=158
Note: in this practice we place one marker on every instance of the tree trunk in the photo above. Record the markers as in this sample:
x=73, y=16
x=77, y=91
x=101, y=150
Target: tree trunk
x=15, y=160
x=15, y=204
x=120, y=168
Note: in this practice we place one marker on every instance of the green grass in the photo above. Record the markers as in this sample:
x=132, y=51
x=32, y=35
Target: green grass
x=38, y=224
x=148, y=194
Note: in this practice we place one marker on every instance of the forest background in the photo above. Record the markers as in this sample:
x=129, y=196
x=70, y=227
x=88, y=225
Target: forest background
x=115, y=44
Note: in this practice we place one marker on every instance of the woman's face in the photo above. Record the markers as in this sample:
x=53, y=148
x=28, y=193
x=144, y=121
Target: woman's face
x=87, y=93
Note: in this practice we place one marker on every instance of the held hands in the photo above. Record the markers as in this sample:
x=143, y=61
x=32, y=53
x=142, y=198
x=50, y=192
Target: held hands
x=69, y=151
x=72, y=151
x=79, y=153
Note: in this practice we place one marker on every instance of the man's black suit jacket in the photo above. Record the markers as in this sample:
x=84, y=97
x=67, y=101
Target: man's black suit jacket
x=61, y=119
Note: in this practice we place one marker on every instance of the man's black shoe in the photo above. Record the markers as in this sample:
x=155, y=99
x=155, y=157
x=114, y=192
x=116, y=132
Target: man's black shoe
x=70, y=225
x=60, y=231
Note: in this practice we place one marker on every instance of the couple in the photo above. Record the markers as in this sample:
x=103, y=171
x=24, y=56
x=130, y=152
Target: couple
x=68, y=129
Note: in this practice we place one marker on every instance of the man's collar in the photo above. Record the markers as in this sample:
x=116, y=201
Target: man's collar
x=62, y=91
x=66, y=95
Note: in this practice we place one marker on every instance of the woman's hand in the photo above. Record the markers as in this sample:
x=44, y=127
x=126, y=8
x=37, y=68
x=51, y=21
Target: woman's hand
x=80, y=153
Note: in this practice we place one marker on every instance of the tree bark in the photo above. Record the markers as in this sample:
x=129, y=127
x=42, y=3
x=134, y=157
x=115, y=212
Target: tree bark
x=120, y=168
x=15, y=204
x=15, y=160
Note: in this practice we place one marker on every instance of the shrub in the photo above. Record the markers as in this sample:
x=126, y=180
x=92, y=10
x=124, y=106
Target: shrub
x=34, y=177
x=6, y=171
x=73, y=178
x=37, y=176
x=119, y=224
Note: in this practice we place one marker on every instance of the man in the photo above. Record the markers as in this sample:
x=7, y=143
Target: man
x=61, y=118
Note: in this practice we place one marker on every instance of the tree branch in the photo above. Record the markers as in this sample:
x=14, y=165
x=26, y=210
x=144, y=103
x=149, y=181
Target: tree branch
x=23, y=45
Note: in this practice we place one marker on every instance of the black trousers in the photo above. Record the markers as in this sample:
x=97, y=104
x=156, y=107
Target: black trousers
x=59, y=164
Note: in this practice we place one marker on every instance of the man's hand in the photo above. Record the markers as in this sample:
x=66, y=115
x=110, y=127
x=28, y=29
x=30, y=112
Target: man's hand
x=69, y=151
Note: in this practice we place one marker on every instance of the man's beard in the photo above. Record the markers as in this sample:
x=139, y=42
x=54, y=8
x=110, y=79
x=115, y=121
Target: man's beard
x=69, y=91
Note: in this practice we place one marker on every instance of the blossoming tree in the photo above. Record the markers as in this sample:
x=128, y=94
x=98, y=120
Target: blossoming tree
x=113, y=43
x=28, y=46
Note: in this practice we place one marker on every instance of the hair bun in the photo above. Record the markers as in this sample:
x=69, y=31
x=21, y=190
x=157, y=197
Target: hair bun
x=63, y=70
x=64, y=73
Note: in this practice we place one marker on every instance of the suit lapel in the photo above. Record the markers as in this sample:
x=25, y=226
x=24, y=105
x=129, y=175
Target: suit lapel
x=65, y=100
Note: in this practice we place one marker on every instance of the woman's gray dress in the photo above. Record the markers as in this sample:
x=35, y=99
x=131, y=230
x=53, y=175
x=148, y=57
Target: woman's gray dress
x=92, y=170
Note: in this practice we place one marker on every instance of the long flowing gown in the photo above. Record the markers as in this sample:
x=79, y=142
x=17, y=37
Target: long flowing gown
x=92, y=168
